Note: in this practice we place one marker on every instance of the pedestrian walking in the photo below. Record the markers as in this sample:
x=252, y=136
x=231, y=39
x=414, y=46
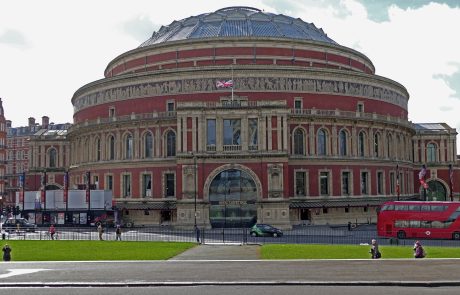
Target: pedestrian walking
x=198, y=233
x=118, y=233
x=100, y=231
x=419, y=252
x=375, y=252
x=52, y=231
x=6, y=252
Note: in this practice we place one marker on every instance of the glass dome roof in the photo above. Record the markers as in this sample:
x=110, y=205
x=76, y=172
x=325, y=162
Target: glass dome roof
x=238, y=21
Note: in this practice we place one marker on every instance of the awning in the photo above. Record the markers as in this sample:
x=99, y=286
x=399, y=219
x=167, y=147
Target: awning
x=342, y=203
x=146, y=205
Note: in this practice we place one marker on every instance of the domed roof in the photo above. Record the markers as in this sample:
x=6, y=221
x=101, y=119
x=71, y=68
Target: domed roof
x=238, y=21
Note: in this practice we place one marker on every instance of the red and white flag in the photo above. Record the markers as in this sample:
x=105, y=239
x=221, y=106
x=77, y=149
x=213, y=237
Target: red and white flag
x=224, y=84
x=421, y=177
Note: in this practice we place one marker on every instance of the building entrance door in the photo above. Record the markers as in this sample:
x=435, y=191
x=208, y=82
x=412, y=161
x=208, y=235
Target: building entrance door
x=232, y=196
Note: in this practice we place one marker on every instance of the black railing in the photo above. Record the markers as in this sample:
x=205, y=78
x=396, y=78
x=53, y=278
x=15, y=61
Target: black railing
x=301, y=235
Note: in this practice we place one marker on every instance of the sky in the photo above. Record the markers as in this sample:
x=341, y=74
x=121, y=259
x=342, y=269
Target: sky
x=51, y=48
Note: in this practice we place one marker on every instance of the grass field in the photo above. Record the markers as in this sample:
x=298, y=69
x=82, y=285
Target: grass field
x=93, y=250
x=289, y=251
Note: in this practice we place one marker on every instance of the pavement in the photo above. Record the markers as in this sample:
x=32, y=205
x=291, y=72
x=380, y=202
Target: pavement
x=221, y=252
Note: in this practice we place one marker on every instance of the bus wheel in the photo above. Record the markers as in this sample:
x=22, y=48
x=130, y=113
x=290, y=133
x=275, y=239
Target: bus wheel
x=456, y=236
x=401, y=234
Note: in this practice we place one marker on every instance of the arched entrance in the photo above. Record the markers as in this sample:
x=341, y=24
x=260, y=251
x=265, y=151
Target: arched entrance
x=436, y=191
x=232, y=198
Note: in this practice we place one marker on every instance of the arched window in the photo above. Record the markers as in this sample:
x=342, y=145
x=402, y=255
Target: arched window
x=111, y=148
x=170, y=144
x=322, y=141
x=361, y=143
x=52, y=155
x=98, y=149
x=299, y=148
x=343, y=143
x=389, y=146
x=431, y=152
x=148, y=145
x=376, y=145
x=128, y=146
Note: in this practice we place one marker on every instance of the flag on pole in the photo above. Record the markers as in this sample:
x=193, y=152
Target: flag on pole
x=224, y=84
x=421, y=177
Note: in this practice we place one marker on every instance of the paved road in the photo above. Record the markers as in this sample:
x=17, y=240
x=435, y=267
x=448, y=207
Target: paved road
x=234, y=265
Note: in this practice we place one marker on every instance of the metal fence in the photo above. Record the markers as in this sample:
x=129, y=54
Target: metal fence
x=303, y=235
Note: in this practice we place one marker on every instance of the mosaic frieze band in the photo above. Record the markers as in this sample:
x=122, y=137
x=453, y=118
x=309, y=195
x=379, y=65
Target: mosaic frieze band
x=241, y=84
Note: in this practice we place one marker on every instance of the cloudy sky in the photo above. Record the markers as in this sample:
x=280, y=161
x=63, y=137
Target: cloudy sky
x=50, y=48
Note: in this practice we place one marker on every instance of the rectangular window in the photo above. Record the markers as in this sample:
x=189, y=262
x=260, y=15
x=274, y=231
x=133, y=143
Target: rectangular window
x=392, y=183
x=298, y=106
x=109, y=182
x=300, y=183
x=126, y=185
x=211, y=132
x=170, y=106
x=360, y=108
x=232, y=131
x=346, y=183
x=324, y=183
x=146, y=185
x=364, y=183
x=96, y=181
x=380, y=183
x=253, y=129
x=111, y=112
x=169, y=185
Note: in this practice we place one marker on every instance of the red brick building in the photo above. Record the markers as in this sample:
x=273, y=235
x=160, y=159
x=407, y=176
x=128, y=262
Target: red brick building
x=307, y=133
x=3, y=157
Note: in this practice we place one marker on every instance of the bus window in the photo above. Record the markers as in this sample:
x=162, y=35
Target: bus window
x=388, y=208
x=454, y=215
x=425, y=224
x=401, y=207
x=425, y=208
x=401, y=223
x=448, y=223
x=438, y=208
x=414, y=207
x=437, y=224
x=414, y=223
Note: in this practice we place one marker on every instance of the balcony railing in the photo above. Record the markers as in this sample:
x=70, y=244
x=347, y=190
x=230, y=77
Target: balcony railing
x=349, y=115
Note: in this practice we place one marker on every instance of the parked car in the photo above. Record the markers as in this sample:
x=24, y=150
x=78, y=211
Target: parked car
x=261, y=230
x=11, y=224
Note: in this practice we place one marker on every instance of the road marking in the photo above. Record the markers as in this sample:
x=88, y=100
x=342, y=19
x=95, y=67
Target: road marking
x=17, y=272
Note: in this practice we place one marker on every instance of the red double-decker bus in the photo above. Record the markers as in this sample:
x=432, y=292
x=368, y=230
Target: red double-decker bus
x=419, y=220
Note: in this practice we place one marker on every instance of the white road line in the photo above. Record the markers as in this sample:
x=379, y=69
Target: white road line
x=18, y=271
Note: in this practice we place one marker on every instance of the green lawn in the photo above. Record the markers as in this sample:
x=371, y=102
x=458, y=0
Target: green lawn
x=289, y=251
x=93, y=250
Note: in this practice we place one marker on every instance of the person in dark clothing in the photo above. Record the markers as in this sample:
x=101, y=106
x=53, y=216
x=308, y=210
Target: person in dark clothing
x=198, y=233
x=375, y=250
x=52, y=231
x=118, y=233
x=419, y=252
x=6, y=252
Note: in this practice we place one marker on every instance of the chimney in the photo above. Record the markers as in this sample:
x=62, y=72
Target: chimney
x=45, y=122
x=31, y=121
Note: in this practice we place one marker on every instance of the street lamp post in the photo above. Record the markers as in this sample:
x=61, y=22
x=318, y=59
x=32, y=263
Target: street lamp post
x=195, y=171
